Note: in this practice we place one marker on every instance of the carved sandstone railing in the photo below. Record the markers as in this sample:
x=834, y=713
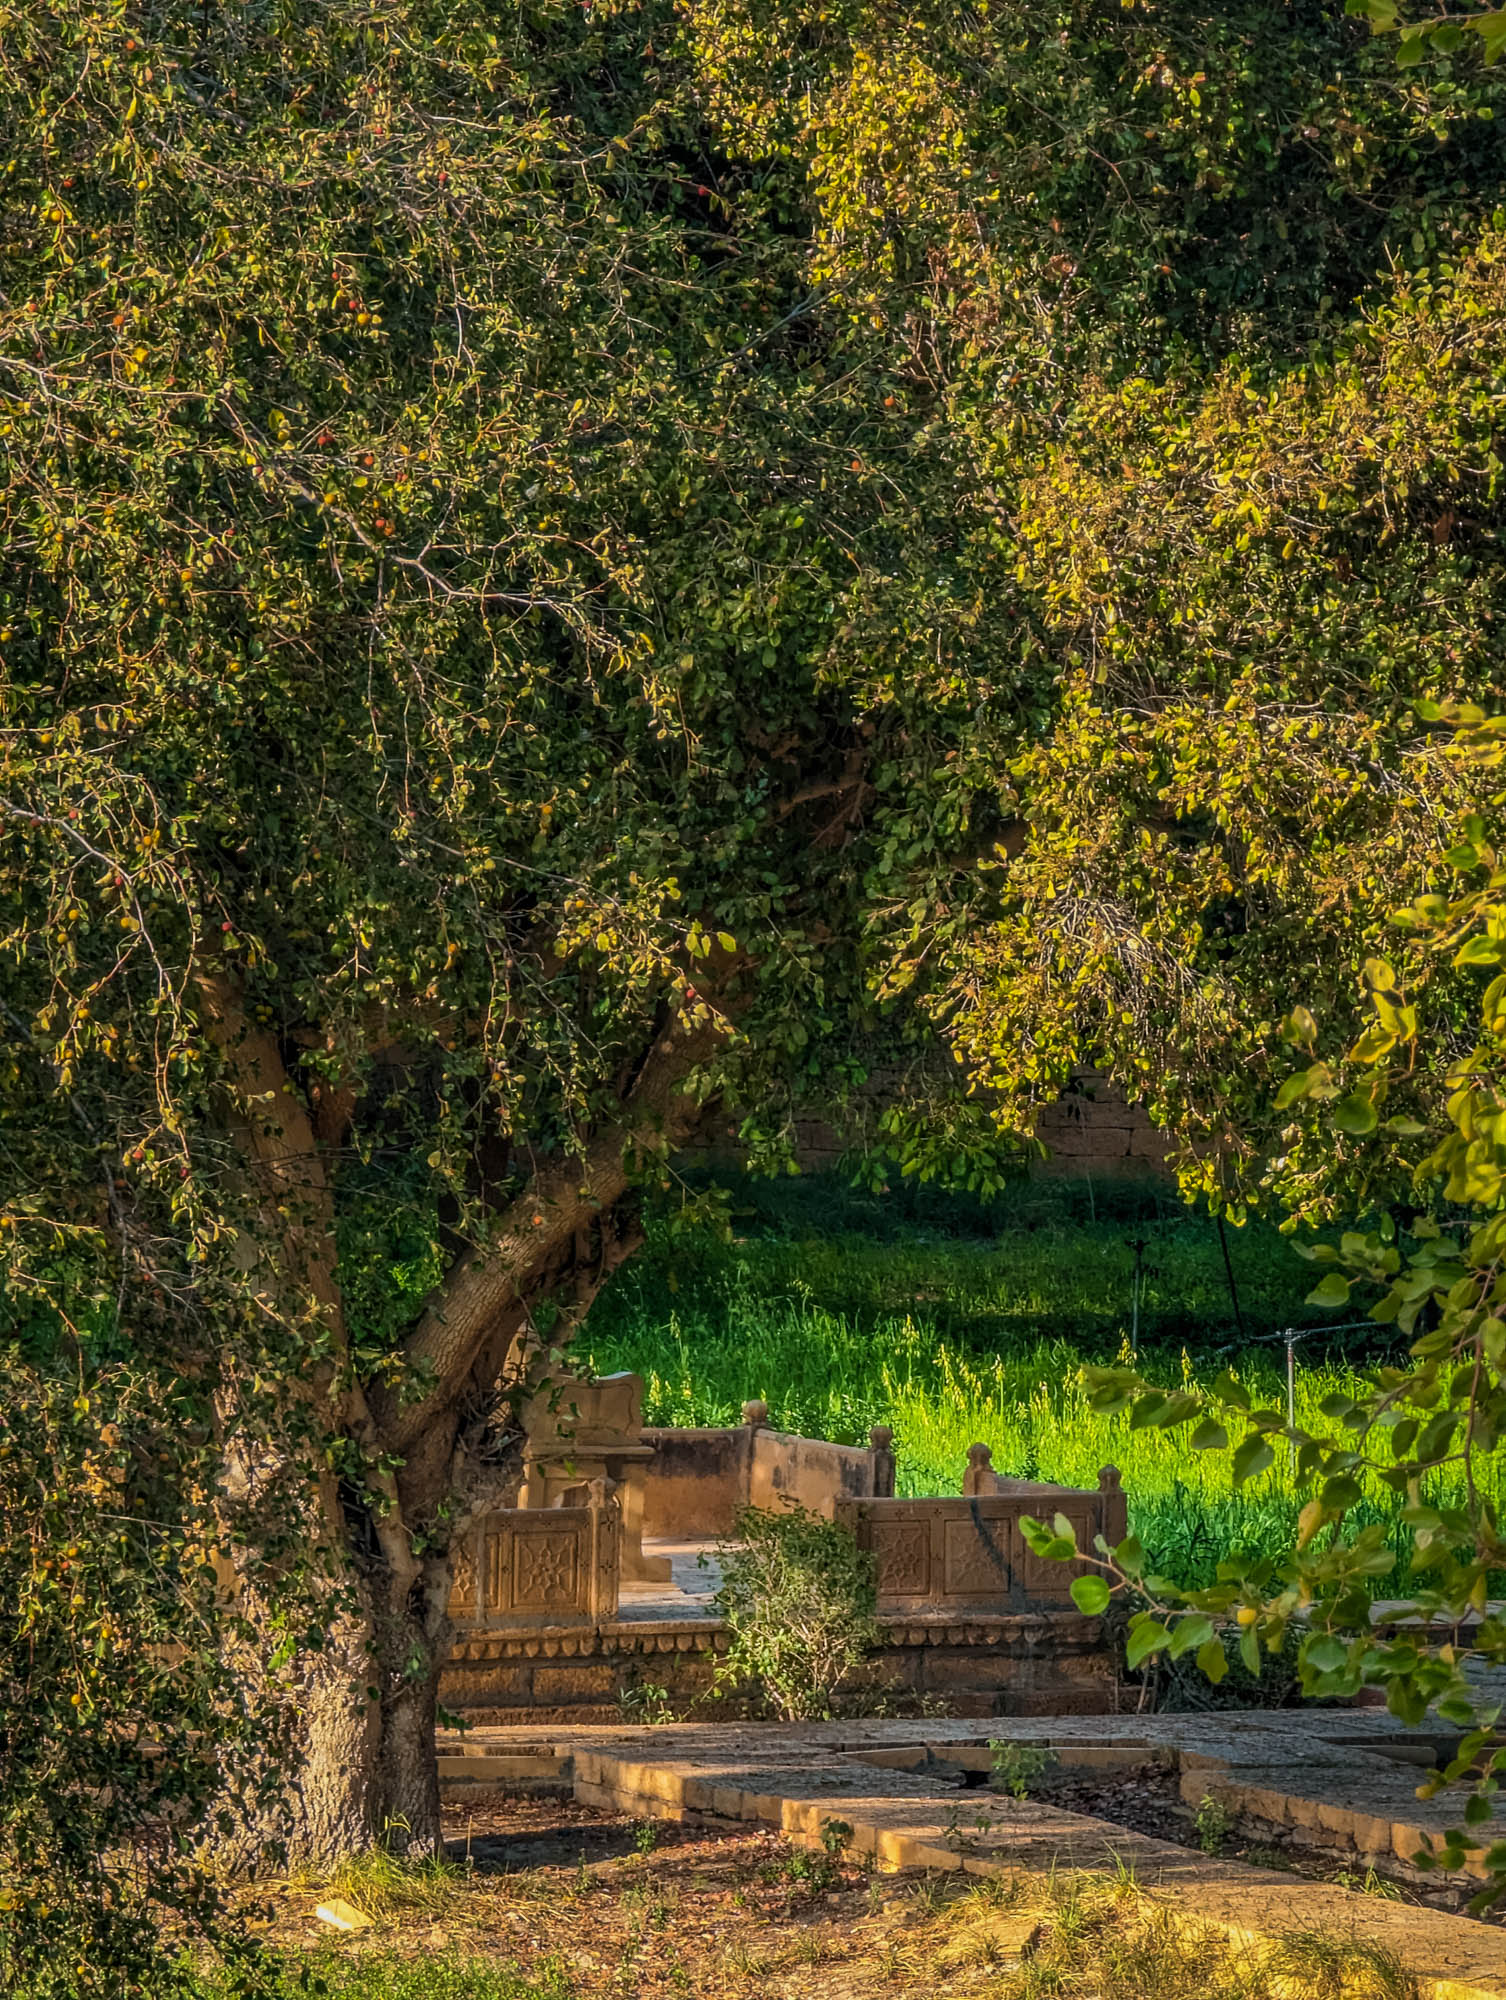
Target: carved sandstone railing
x=964, y=1556
x=539, y=1569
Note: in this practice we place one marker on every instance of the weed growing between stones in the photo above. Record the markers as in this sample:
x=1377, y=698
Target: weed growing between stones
x=1212, y=1823
x=1016, y=1766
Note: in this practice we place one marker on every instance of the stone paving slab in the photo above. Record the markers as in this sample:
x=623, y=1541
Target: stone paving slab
x=903, y=1812
x=694, y=1579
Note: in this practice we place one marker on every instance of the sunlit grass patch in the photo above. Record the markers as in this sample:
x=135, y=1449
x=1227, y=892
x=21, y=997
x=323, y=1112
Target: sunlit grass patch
x=387, y=1885
x=1099, y=1937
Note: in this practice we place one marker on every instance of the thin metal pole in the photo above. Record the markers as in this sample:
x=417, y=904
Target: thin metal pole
x=1291, y=1398
x=1223, y=1242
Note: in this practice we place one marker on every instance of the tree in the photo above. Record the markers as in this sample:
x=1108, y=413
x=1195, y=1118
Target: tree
x=1207, y=295
x=1263, y=576
x=1426, y=1429
x=523, y=588
x=436, y=526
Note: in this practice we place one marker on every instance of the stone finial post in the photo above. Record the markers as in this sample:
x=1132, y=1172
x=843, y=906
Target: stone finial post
x=980, y=1476
x=755, y=1415
x=881, y=1444
x=1113, y=1508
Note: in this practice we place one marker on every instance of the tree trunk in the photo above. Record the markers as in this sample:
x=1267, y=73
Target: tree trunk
x=407, y=1773
x=302, y=1785
x=333, y=1782
x=354, y=1763
x=344, y=1732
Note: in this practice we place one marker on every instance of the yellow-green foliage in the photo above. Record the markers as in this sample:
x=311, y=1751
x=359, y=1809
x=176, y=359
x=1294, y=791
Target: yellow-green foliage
x=1259, y=572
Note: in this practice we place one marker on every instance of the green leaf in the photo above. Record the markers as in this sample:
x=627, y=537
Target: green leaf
x=1037, y=1536
x=1091, y=1595
x=1294, y=1088
x=1251, y=1458
x=1212, y=1661
x=1190, y=1634
x=1341, y=1492
x=1299, y=1027
x=1147, y=1409
x=1325, y=1654
x=1130, y=1556
x=1355, y=1114
x=1331, y=1290
x=1146, y=1636
x=1227, y=1388
x=1480, y=950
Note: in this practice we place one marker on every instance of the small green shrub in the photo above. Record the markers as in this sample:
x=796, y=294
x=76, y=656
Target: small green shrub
x=646, y=1701
x=1212, y=1823
x=390, y=1975
x=1016, y=1766
x=812, y=1872
x=798, y=1596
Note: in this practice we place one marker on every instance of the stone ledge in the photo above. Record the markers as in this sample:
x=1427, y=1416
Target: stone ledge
x=1067, y=1631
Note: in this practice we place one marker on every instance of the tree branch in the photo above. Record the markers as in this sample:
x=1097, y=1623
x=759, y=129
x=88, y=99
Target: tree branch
x=488, y=1293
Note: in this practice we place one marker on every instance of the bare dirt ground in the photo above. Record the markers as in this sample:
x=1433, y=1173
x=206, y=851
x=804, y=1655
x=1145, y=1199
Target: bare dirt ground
x=589, y=1902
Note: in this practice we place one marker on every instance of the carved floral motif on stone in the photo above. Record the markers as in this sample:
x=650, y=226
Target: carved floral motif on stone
x=463, y=1589
x=977, y=1564
x=903, y=1553
x=546, y=1567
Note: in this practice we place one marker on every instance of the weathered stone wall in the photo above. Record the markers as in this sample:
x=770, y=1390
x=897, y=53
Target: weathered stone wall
x=1052, y=1663
x=698, y=1480
x=807, y=1472
x=1092, y=1128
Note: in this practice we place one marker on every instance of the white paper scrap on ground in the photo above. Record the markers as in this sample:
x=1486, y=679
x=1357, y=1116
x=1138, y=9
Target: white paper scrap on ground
x=344, y=1916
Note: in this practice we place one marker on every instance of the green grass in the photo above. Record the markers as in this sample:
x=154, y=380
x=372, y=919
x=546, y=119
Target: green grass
x=389, y=1975
x=954, y=1338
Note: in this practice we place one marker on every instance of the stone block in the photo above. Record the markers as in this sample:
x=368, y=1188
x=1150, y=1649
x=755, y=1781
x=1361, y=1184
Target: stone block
x=1263, y=1803
x=487, y=1768
x=1146, y=1143
x=487, y=1683
x=595, y=1681
x=981, y=1668
x=895, y=1850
